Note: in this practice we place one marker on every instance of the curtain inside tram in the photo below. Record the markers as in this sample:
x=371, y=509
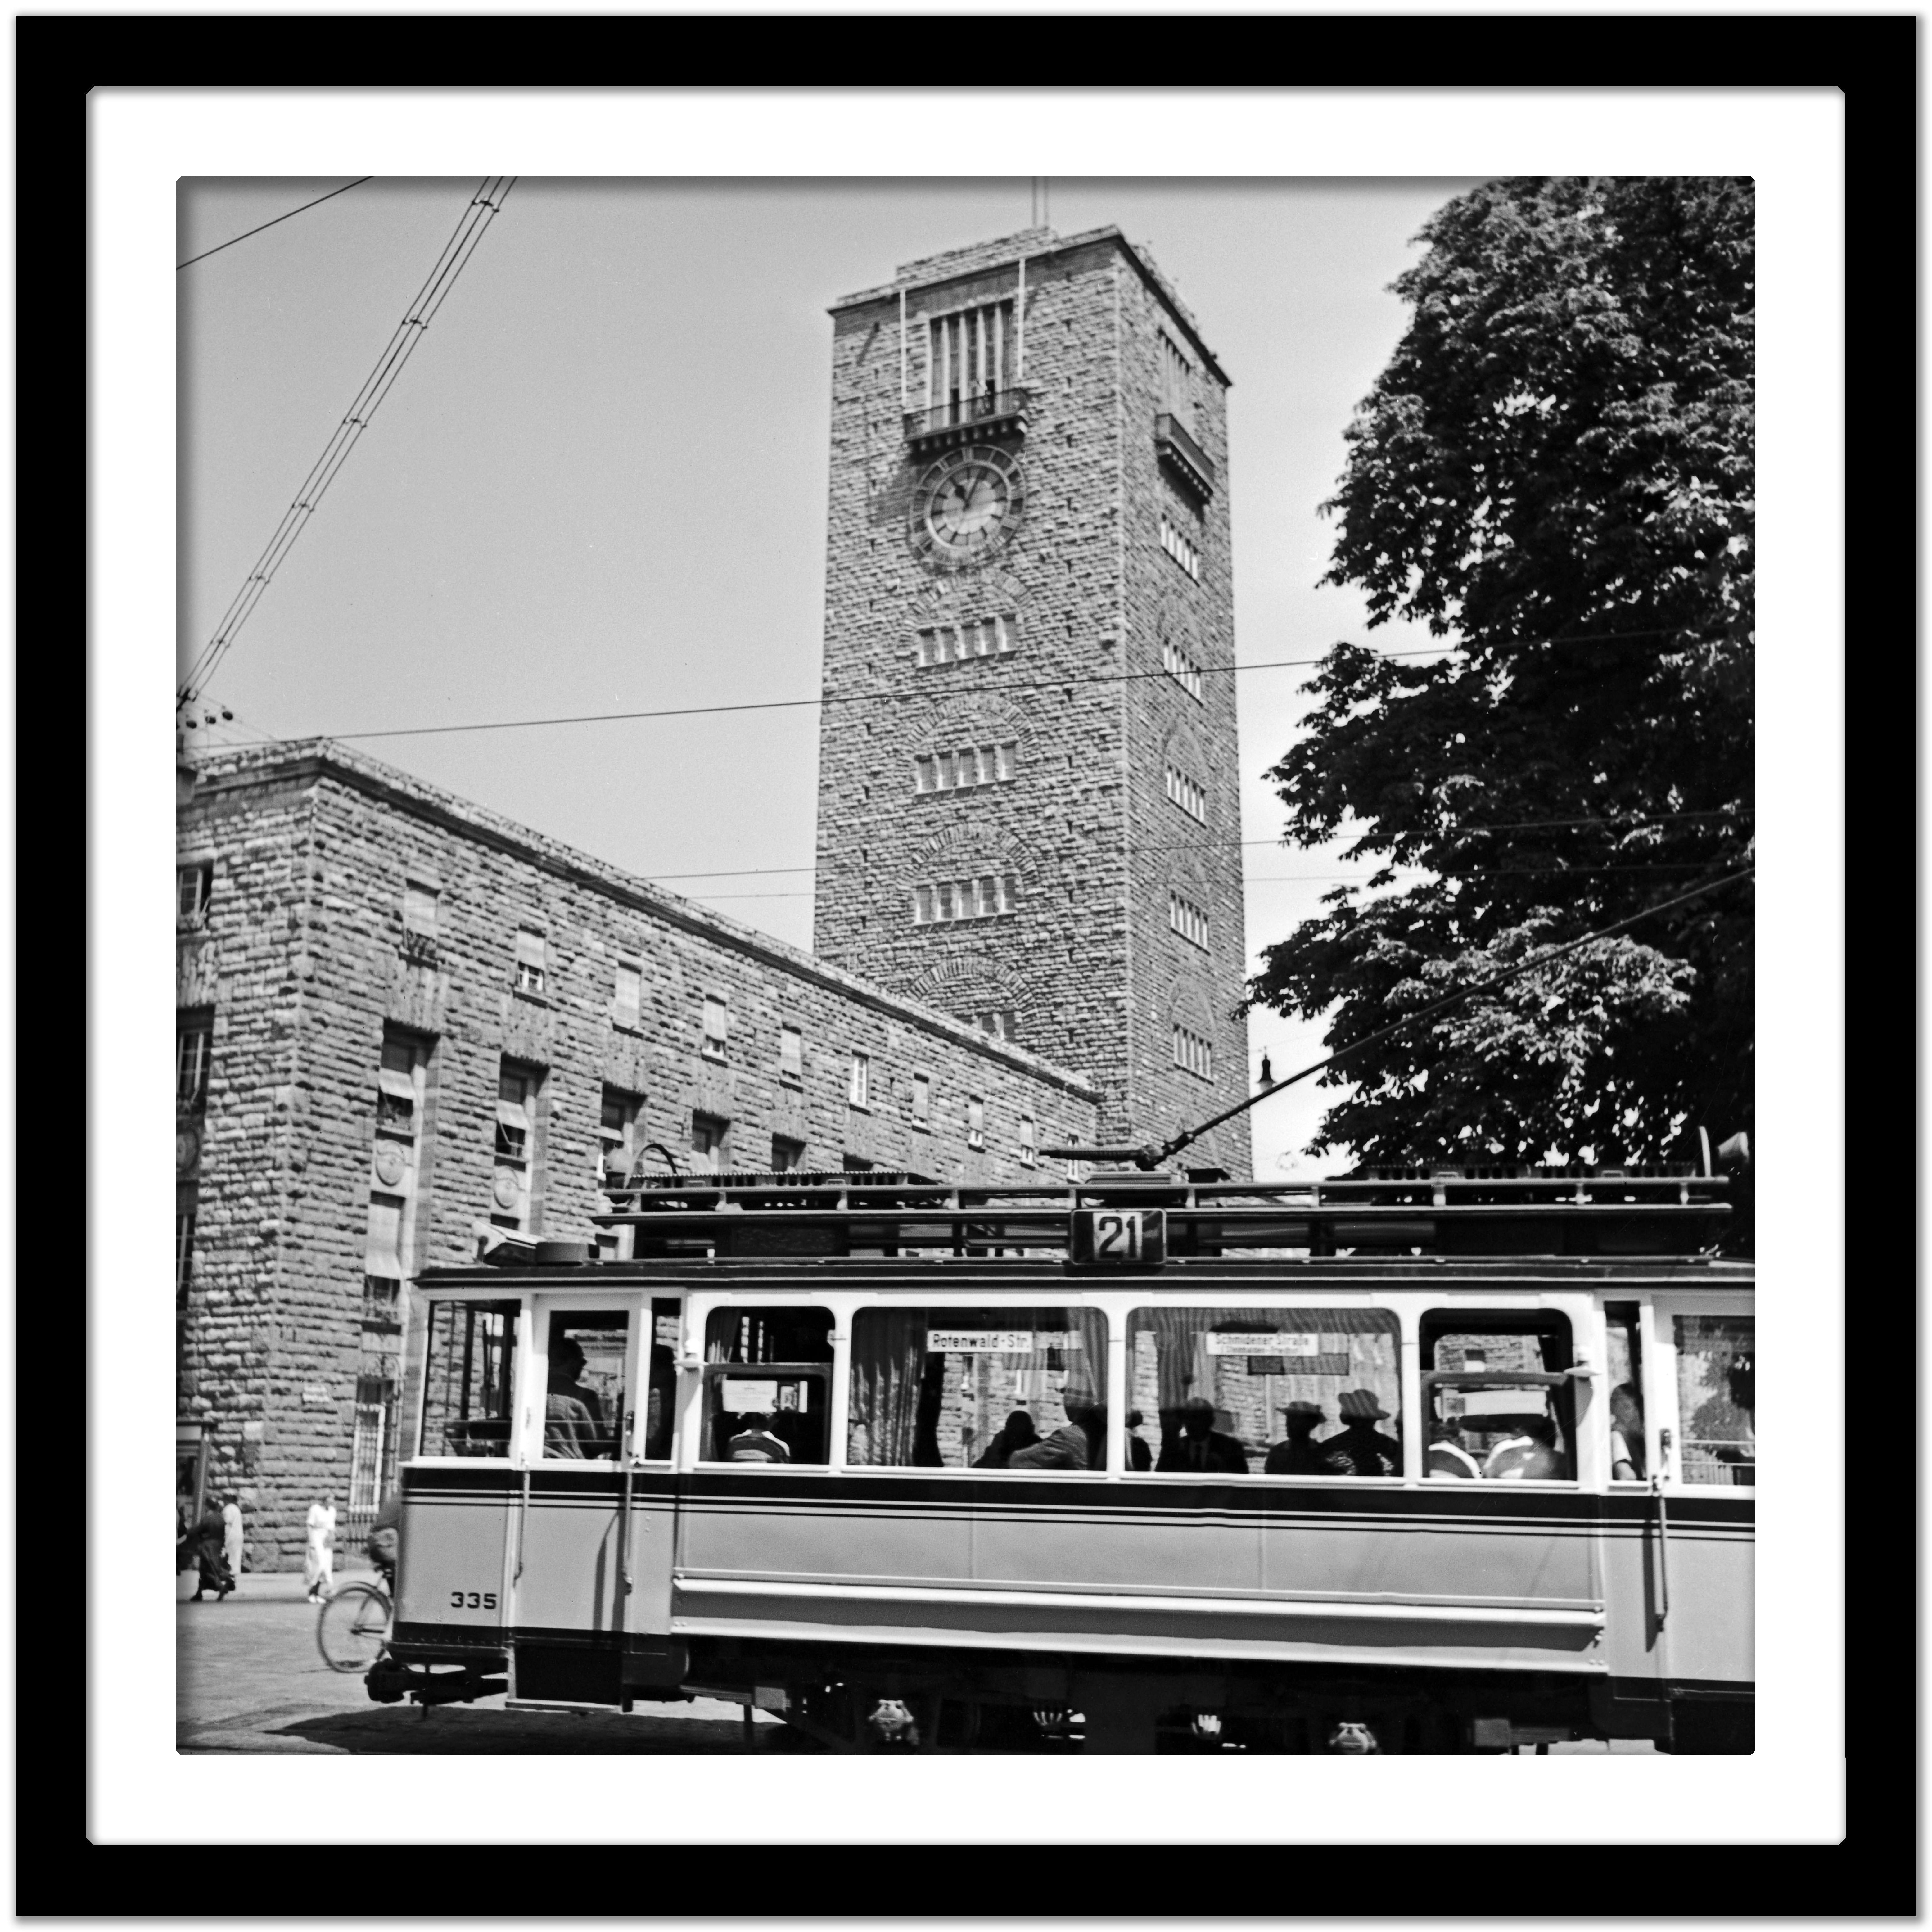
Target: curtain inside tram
x=973, y=1388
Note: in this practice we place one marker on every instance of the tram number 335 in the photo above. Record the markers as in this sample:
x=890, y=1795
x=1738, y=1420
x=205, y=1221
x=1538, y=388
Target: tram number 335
x=1119, y=1237
x=473, y=1600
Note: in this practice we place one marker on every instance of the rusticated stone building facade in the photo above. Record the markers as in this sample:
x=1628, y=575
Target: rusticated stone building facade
x=1028, y=811
x=403, y=1019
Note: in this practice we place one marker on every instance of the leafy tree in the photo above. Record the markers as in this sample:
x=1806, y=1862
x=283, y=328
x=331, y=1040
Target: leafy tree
x=1555, y=470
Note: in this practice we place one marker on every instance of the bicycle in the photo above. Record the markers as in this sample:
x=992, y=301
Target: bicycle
x=352, y=1630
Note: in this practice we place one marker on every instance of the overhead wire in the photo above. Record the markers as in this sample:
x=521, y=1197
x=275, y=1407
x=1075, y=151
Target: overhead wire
x=289, y=217
x=483, y=208
x=1005, y=687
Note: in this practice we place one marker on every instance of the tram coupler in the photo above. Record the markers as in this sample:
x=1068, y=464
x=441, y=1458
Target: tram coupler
x=390, y=1682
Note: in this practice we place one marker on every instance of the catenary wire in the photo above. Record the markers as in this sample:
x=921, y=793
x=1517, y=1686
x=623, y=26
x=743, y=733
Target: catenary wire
x=1005, y=687
x=1244, y=844
x=450, y=264
x=289, y=217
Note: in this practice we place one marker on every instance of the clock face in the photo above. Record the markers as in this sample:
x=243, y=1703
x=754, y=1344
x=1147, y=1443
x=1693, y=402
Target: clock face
x=966, y=506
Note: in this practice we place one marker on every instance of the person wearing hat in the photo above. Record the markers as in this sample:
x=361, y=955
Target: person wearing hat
x=1200, y=1445
x=1300, y=1454
x=1363, y=1449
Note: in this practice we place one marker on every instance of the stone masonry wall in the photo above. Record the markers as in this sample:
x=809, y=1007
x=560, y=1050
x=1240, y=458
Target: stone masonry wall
x=1087, y=960
x=315, y=846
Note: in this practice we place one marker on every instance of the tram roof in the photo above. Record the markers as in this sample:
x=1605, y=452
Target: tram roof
x=1391, y=1215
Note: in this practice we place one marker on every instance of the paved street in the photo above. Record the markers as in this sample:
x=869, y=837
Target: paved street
x=251, y=1679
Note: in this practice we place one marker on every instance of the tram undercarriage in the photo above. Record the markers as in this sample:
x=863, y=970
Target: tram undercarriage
x=852, y=1699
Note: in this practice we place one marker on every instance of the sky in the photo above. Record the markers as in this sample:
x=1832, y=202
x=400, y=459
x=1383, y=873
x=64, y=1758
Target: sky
x=600, y=484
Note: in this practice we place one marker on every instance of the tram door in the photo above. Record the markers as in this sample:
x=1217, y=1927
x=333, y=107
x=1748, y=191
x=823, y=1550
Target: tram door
x=593, y=1541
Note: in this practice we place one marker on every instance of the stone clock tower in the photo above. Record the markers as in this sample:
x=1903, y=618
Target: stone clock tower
x=1030, y=818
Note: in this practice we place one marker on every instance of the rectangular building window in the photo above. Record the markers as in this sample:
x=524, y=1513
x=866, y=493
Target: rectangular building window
x=1177, y=382
x=967, y=362
x=1183, y=791
x=859, y=1089
x=1193, y=1053
x=194, y=1038
x=1187, y=918
x=976, y=1121
x=787, y=1155
x=627, y=996
x=184, y=1254
x=419, y=909
x=791, y=1056
x=717, y=1027
x=1029, y=1141
x=617, y=1133
x=955, y=643
x=1180, y=545
x=516, y=1147
x=999, y=1022
x=985, y=897
x=1182, y=668
x=709, y=1136
x=372, y=1446
x=921, y=1100
x=530, y=960
x=965, y=770
x=193, y=886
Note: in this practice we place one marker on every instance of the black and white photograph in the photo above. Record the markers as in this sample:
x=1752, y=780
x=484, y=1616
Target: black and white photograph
x=967, y=967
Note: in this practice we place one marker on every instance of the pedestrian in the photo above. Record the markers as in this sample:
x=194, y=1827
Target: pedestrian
x=211, y=1571
x=231, y=1535
x=319, y=1559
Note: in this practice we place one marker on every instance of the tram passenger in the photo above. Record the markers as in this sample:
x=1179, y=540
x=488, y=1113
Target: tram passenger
x=1140, y=1457
x=755, y=1443
x=1199, y=1445
x=1299, y=1454
x=1018, y=1432
x=1449, y=1453
x=1071, y=1446
x=1626, y=1434
x=1530, y=1456
x=573, y=1415
x=1365, y=1449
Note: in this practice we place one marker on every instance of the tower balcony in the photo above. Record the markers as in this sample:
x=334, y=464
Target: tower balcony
x=1192, y=465
x=965, y=419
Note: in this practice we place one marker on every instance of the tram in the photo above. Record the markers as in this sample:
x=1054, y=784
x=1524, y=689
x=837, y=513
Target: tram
x=1435, y=1461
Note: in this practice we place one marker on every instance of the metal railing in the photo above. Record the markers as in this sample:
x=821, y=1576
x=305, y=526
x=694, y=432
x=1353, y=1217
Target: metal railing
x=965, y=411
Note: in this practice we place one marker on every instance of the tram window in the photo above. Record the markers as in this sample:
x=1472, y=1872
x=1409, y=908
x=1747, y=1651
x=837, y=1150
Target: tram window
x=469, y=1377
x=661, y=1378
x=768, y=1379
x=1625, y=1375
x=978, y=1388
x=1500, y=1407
x=1271, y=1391
x=1716, y=1398
x=585, y=1403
